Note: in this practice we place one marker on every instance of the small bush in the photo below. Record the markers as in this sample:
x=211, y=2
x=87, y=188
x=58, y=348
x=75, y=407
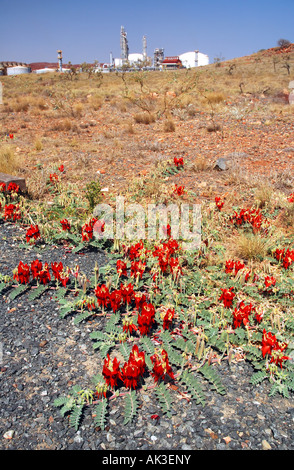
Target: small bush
x=8, y=162
x=144, y=118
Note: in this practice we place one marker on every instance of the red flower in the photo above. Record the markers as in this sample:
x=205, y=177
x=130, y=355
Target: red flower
x=44, y=275
x=87, y=232
x=102, y=294
x=23, y=273
x=127, y=292
x=268, y=343
x=61, y=168
x=161, y=367
x=2, y=187
x=139, y=299
x=136, y=250
x=33, y=233
x=167, y=231
x=134, y=369
x=115, y=299
x=179, y=190
x=12, y=211
x=11, y=136
x=168, y=318
x=13, y=187
x=57, y=268
x=219, y=203
x=53, y=177
x=178, y=162
x=269, y=281
x=121, y=268
x=36, y=267
x=146, y=318
x=128, y=325
x=110, y=371
x=65, y=224
x=137, y=269
x=291, y=197
x=227, y=297
x=241, y=315
x=272, y=347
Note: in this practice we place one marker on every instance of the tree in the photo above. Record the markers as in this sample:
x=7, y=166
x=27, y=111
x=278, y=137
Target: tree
x=283, y=43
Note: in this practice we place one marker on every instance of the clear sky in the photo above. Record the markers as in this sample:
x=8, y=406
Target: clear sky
x=88, y=30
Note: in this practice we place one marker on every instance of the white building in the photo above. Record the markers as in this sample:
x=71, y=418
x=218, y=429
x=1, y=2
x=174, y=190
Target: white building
x=193, y=59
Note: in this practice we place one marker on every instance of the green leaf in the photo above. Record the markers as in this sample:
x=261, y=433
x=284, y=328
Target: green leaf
x=76, y=416
x=101, y=411
x=164, y=398
x=35, y=293
x=18, y=291
x=131, y=406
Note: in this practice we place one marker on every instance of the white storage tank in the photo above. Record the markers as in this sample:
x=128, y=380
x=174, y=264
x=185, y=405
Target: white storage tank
x=135, y=57
x=18, y=70
x=194, y=59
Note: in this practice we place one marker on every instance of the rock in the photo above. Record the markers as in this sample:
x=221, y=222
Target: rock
x=9, y=434
x=265, y=445
x=221, y=164
x=4, y=178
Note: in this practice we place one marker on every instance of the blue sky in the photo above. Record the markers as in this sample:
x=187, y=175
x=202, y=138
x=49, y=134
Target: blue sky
x=88, y=30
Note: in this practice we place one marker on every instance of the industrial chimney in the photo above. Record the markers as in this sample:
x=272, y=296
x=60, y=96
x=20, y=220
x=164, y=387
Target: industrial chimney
x=60, y=60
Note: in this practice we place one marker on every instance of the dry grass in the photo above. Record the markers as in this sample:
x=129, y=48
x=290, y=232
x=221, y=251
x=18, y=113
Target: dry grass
x=249, y=246
x=263, y=195
x=9, y=163
x=144, y=118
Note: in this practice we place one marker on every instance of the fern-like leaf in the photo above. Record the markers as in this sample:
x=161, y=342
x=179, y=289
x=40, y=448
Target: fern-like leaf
x=36, y=293
x=193, y=387
x=164, y=397
x=101, y=411
x=211, y=375
x=76, y=416
x=18, y=291
x=131, y=406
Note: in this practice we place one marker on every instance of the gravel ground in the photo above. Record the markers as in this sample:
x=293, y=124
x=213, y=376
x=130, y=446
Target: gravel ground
x=42, y=356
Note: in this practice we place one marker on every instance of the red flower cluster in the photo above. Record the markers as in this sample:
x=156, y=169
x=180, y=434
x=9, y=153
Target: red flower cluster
x=272, y=347
x=234, y=266
x=40, y=272
x=146, y=318
x=22, y=274
x=219, y=203
x=12, y=211
x=165, y=254
x=291, y=198
x=287, y=257
x=13, y=187
x=87, y=229
x=65, y=225
x=61, y=168
x=248, y=216
x=53, y=177
x=33, y=233
x=134, y=369
x=2, y=187
x=241, y=314
x=131, y=372
x=161, y=367
x=179, y=190
x=227, y=297
x=60, y=273
x=136, y=251
x=178, y=162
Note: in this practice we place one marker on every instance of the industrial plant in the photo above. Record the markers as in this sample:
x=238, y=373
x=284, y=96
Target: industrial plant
x=126, y=62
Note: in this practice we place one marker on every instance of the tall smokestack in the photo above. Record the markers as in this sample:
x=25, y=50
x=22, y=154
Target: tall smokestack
x=60, y=60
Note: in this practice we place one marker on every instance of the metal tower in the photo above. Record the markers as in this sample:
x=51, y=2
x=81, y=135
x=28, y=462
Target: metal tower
x=124, y=47
x=144, y=48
